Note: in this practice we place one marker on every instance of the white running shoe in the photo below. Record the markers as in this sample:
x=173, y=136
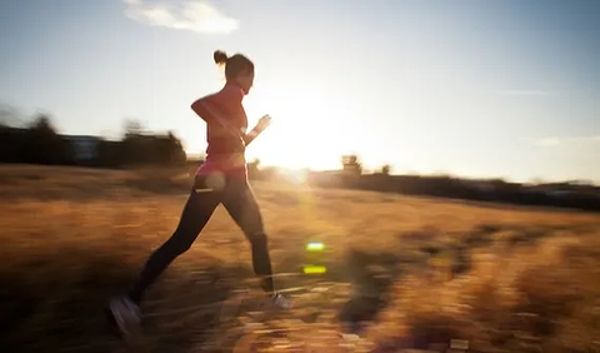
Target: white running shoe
x=126, y=315
x=281, y=302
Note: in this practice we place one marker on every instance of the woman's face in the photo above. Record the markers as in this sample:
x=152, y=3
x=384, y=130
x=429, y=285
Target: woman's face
x=245, y=80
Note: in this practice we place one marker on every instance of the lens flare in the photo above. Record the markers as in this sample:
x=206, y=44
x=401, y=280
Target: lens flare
x=314, y=269
x=315, y=246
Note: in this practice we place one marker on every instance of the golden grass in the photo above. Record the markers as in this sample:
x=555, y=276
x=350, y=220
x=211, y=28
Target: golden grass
x=403, y=272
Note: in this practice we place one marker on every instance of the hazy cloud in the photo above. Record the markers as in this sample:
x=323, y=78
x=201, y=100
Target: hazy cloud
x=191, y=15
x=566, y=141
x=10, y=115
x=525, y=92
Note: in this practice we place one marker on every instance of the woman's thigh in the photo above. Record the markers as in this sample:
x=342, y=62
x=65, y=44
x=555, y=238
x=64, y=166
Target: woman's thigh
x=240, y=203
x=198, y=209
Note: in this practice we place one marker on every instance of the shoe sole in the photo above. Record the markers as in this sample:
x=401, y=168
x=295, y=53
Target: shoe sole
x=129, y=334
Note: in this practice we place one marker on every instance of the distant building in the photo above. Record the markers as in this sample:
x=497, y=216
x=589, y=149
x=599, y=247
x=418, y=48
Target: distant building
x=85, y=148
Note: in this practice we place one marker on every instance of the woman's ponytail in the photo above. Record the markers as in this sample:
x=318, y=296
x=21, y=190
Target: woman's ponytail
x=220, y=57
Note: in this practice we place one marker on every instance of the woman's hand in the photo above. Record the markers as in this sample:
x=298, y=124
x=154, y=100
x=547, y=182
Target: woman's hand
x=260, y=127
x=263, y=123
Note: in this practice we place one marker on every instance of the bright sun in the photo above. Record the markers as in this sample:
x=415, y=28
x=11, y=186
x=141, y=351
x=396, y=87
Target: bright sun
x=303, y=133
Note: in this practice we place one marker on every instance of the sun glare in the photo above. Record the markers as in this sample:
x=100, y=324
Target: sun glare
x=304, y=133
x=295, y=176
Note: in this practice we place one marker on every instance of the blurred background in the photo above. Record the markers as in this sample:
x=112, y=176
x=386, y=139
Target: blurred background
x=446, y=153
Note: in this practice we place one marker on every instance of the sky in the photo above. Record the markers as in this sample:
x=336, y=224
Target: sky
x=477, y=89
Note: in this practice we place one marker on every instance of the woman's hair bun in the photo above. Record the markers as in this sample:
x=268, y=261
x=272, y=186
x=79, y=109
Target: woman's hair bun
x=220, y=57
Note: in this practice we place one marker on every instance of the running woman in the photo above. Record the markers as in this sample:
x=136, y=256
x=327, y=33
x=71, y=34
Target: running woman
x=222, y=178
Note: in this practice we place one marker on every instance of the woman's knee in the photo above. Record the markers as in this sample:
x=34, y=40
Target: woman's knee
x=257, y=238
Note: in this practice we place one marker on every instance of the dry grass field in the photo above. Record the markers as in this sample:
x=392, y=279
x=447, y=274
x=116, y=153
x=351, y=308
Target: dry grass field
x=404, y=274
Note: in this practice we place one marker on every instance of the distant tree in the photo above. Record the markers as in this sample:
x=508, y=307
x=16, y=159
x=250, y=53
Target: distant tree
x=385, y=170
x=43, y=145
x=138, y=148
x=537, y=181
x=133, y=127
x=176, y=153
x=42, y=124
x=351, y=165
x=135, y=147
x=253, y=167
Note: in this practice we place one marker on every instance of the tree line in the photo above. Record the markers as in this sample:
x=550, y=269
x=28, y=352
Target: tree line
x=39, y=143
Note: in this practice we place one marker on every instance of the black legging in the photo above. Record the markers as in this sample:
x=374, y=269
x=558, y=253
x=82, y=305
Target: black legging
x=238, y=198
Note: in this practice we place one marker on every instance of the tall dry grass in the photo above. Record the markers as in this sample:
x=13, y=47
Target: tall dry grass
x=403, y=272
